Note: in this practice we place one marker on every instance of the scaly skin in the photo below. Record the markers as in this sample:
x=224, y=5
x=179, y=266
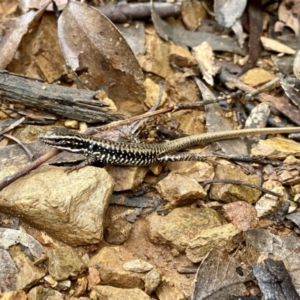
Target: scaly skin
x=139, y=154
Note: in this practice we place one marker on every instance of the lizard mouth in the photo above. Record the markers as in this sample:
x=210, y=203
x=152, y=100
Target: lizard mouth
x=49, y=141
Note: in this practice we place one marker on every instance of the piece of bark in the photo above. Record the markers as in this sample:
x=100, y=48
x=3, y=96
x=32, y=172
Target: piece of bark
x=274, y=280
x=63, y=101
x=124, y=12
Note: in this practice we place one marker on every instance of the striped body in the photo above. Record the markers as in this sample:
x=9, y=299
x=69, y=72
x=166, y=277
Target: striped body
x=140, y=154
x=102, y=150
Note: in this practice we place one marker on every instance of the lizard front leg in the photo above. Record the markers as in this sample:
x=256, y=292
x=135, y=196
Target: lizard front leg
x=90, y=160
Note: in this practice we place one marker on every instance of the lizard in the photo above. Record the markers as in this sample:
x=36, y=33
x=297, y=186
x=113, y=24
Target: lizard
x=107, y=151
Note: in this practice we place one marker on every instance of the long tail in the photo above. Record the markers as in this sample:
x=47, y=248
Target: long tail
x=206, y=138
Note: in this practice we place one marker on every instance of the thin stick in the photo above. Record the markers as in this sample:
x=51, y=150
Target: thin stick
x=12, y=126
x=28, y=152
x=250, y=95
x=110, y=126
x=238, y=182
x=9, y=179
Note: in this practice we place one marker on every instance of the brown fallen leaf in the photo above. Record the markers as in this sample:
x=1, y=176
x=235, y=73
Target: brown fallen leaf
x=14, y=31
x=218, y=277
x=92, y=45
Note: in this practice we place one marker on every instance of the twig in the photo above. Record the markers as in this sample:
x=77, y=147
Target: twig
x=26, y=149
x=287, y=109
x=238, y=182
x=93, y=130
x=249, y=96
x=110, y=126
x=9, y=179
x=12, y=126
x=195, y=105
x=206, y=102
x=248, y=159
x=153, y=108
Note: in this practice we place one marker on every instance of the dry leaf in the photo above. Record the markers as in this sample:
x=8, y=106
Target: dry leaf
x=218, y=277
x=14, y=31
x=227, y=12
x=206, y=62
x=92, y=45
x=185, y=38
x=273, y=45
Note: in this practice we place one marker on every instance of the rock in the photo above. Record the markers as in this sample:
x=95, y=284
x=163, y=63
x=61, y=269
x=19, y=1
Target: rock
x=286, y=175
x=269, y=203
x=180, y=189
x=256, y=76
x=293, y=206
x=180, y=226
x=195, y=169
x=126, y=178
x=152, y=281
x=156, y=170
x=109, y=262
x=28, y=133
x=181, y=56
x=52, y=282
x=154, y=61
x=234, y=192
x=168, y=290
x=276, y=148
x=9, y=271
x=40, y=292
x=180, y=89
x=137, y=265
x=241, y=214
x=14, y=295
x=208, y=239
x=64, y=262
x=118, y=231
x=80, y=286
x=152, y=92
x=93, y=277
x=66, y=284
x=192, y=13
x=70, y=207
x=112, y=293
x=28, y=274
x=72, y=124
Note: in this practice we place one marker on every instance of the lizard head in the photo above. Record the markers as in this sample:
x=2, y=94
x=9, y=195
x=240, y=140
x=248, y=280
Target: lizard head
x=64, y=139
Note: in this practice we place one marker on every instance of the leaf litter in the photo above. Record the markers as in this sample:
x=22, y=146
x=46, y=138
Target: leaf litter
x=99, y=54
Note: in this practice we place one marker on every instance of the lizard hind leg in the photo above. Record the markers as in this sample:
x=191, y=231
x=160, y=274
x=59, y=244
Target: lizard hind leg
x=181, y=157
